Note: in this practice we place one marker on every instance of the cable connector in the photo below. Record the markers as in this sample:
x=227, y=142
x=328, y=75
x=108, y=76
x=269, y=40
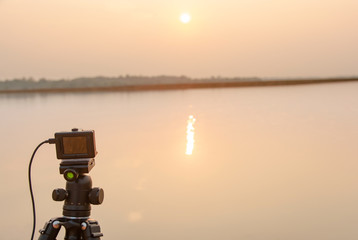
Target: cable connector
x=51, y=140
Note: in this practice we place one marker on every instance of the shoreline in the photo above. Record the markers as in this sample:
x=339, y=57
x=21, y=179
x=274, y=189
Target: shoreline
x=184, y=86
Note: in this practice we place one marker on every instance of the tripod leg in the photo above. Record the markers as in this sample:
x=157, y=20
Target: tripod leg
x=73, y=234
x=50, y=230
x=91, y=230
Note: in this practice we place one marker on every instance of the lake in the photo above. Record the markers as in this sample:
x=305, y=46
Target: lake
x=267, y=163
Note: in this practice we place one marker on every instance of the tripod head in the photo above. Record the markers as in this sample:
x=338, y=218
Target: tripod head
x=78, y=197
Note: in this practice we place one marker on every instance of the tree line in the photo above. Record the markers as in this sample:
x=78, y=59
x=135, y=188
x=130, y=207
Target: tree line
x=100, y=81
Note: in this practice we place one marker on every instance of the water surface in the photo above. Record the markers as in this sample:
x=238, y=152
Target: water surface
x=267, y=163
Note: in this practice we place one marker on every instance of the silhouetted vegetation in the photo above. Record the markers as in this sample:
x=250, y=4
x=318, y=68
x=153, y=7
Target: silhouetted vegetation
x=98, y=82
x=142, y=83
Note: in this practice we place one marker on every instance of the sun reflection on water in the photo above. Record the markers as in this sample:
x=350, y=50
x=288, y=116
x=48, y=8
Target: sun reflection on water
x=190, y=135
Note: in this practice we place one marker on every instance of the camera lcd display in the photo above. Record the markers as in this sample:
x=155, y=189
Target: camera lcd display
x=74, y=145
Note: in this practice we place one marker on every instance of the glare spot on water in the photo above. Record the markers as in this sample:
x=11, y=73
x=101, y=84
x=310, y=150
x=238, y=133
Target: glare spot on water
x=134, y=217
x=190, y=135
x=137, y=163
x=140, y=184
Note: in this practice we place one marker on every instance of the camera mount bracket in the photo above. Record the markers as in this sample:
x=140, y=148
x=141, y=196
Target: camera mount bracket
x=80, y=165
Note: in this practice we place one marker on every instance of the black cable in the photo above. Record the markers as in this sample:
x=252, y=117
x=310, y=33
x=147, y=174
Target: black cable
x=30, y=185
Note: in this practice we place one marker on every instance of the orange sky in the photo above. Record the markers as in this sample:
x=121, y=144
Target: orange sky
x=277, y=38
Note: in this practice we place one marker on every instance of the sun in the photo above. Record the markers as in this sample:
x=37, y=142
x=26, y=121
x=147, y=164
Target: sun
x=185, y=18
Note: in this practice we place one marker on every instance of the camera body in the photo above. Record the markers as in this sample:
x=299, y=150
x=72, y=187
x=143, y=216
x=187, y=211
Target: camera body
x=76, y=144
x=76, y=150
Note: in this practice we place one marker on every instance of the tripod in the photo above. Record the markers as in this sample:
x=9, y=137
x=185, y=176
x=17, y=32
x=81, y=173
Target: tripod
x=78, y=197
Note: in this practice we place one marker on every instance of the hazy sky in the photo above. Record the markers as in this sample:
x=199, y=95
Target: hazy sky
x=264, y=38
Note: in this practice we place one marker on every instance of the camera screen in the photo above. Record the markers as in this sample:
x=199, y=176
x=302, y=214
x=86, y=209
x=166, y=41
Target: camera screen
x=74, y=145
